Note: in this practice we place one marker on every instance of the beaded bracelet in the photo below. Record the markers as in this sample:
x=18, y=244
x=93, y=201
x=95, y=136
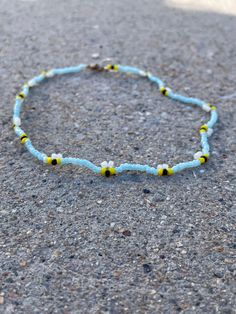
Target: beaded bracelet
x=107, y=168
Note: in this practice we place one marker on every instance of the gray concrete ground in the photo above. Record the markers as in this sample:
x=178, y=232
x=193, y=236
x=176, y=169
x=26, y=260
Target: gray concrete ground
x=74, y=242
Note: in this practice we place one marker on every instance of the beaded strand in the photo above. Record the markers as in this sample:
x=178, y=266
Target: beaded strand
x=107, y=168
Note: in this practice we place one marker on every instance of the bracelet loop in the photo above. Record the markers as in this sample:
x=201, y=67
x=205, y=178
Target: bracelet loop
x=107, y=168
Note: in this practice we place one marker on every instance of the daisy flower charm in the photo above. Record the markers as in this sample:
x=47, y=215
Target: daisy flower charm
x=164, y=170
x=108, y=168
x=54, y=160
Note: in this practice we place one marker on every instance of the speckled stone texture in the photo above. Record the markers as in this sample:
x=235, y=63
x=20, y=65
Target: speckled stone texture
x=75, y=242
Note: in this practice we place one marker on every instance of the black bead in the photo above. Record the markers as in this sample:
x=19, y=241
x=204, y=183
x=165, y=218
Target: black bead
x=107, y=173
x=54, y=162
x=165, y=172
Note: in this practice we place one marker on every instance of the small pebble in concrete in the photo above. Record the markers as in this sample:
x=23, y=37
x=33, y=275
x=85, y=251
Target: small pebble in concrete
x=23, y=263
x=146, y=191
x=126, y=233
x=95, y=55
x=147, y=268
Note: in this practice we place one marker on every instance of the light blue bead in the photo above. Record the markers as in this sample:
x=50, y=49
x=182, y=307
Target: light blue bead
x=135, y=167
x=17, y=111
x=38, y=79
x=81, y=162
x=204, y=143
x=151, y=170
x=156, y=80
x=26, y=90
x=213, y=119
x=58, y=71
x=186, y=165
x=128, y=69
x=34, y=151
x=130, y=167
x=186, y=100
x=18, y=102
x=17, y=108
x=18, y=131
x=69, y=69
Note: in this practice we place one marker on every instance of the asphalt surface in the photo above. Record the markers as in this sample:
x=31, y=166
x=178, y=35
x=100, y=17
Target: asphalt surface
x=75, y=242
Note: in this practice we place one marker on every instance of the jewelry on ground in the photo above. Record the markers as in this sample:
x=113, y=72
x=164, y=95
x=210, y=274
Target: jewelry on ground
x=107, y=168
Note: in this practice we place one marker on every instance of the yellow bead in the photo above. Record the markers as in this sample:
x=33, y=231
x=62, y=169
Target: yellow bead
x=203, y=158
x=108, y=67
x=211, y=106
x=49, y=160
x=21, y=95
x=23, y=138
x=164, y=91
x=58, y=161
x=160, y=171
x=203, y=128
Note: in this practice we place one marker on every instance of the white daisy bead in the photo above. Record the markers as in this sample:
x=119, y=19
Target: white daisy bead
x=17, y=121
x=32, y=83
x=54, y=156
x=165, y=166
x=197, y=155
x=49, y=74
x=209, y=131
x=111, y=164
x=206, y=107
x=143, y=73
x=104, y=164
